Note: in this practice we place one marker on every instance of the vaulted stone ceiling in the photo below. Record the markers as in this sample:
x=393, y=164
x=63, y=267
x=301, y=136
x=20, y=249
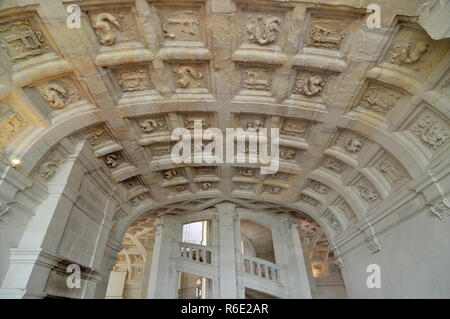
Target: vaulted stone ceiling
x=361, y=112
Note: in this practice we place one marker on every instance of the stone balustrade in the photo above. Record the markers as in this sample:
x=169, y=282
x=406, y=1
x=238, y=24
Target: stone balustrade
x=261, y=268
x=196, y=253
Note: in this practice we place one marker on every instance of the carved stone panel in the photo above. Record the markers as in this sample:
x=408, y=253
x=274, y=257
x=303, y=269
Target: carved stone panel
x=391, y=169
x=295, y=127
x=22, y=40
x=152, y=125
x=432, y=130
x=190, y=75
x=327, y=33
x=133, y=78
x=113, y=26
x=181, y=24
x=59, y=94
x=308, y=84
x=11, y=124
x=262, y=29
x=379, y=98
x=257, y=79
x=97, y=136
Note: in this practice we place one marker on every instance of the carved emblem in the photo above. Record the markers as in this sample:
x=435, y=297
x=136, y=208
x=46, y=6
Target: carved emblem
x=367, y=193
x=97, y=136
x=309, y=85
x=353, y=145
x=180, y=188
x=135, y=80
x=151, y=125
x=58, y=96
x=430, y=132
x=11, y=124
x=327, y=33
x=409, y=53
x=333, y=223
x=112, y=160
x=288, y=154
x=334, y=165
x=48, y=168
x=245, y=186
x=187, y=76
x=105, y=32
x=206, y=185
x=380, y=99
x=264, y=30
x=190, y=123
x=181, y=25
x=273, y=189
x=252, y=125
x=245, y=171
x=390, y=169
x=207, y=170
x=290, y=127
x=161, y=150
x=319, y=187
x=20, y=40
x=169, y=174
x=256, y=79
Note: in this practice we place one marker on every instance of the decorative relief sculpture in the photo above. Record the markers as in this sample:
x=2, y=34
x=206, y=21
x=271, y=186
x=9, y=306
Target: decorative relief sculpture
x=205, y=171
x=308, y=199
x=190, y=123
x=256, y=79
x=48, y=168
x=112, y=160
x=182, y=25
x=309, y=85
x=180, y=188
x=206, y=185
x=245, y=171
x=264, y=30
x=410, y=48
x=353, y=145
x=288, y=154
x=389, y=168
x=367, y=193
x=151, y=125
x=291, y=127
x=97, y=136
x=441, y=209
x=104, y=30
x=20, y=40
x=58, y=96
x=334, y=165
x=380, y=99
x=169, y=174
x=320, y=187
x=187, y=76
x=11, y=124
x=137, y=79
x=431, y=132
x=252, y=125
x=327, y=33
x=273, y=189
x=245, y=186
x=333, y=223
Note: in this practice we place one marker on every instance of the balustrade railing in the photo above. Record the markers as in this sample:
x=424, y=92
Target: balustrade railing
x=261, y=268
x=196, y=253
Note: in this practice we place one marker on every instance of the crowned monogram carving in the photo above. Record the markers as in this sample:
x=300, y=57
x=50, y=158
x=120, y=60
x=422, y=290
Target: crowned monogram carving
x=264, y=30
x=327, y=33
x=367, y=193
x=20, y=40
x=104, y=26
x=431, y=131
x=308, y=84
x=11, y=124
x=257, y=79
x=390, y=169
x=380, y=99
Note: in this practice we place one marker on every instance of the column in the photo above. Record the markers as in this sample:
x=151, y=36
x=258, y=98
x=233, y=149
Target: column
x=228, y=228
x=163, y=277
x=288, y=249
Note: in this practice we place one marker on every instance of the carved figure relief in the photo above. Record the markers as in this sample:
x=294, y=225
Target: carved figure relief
x=104, y=24
x=264, y=30
x=20, y=40
x=187, y=76
x=327, y=33
x=48, y=168
x=309, y=85
x=333, y=223
x=431, y=132
x=380, y=99
x=256, y=79
x=136, y=79
x=151, y=125
x=11, y=124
